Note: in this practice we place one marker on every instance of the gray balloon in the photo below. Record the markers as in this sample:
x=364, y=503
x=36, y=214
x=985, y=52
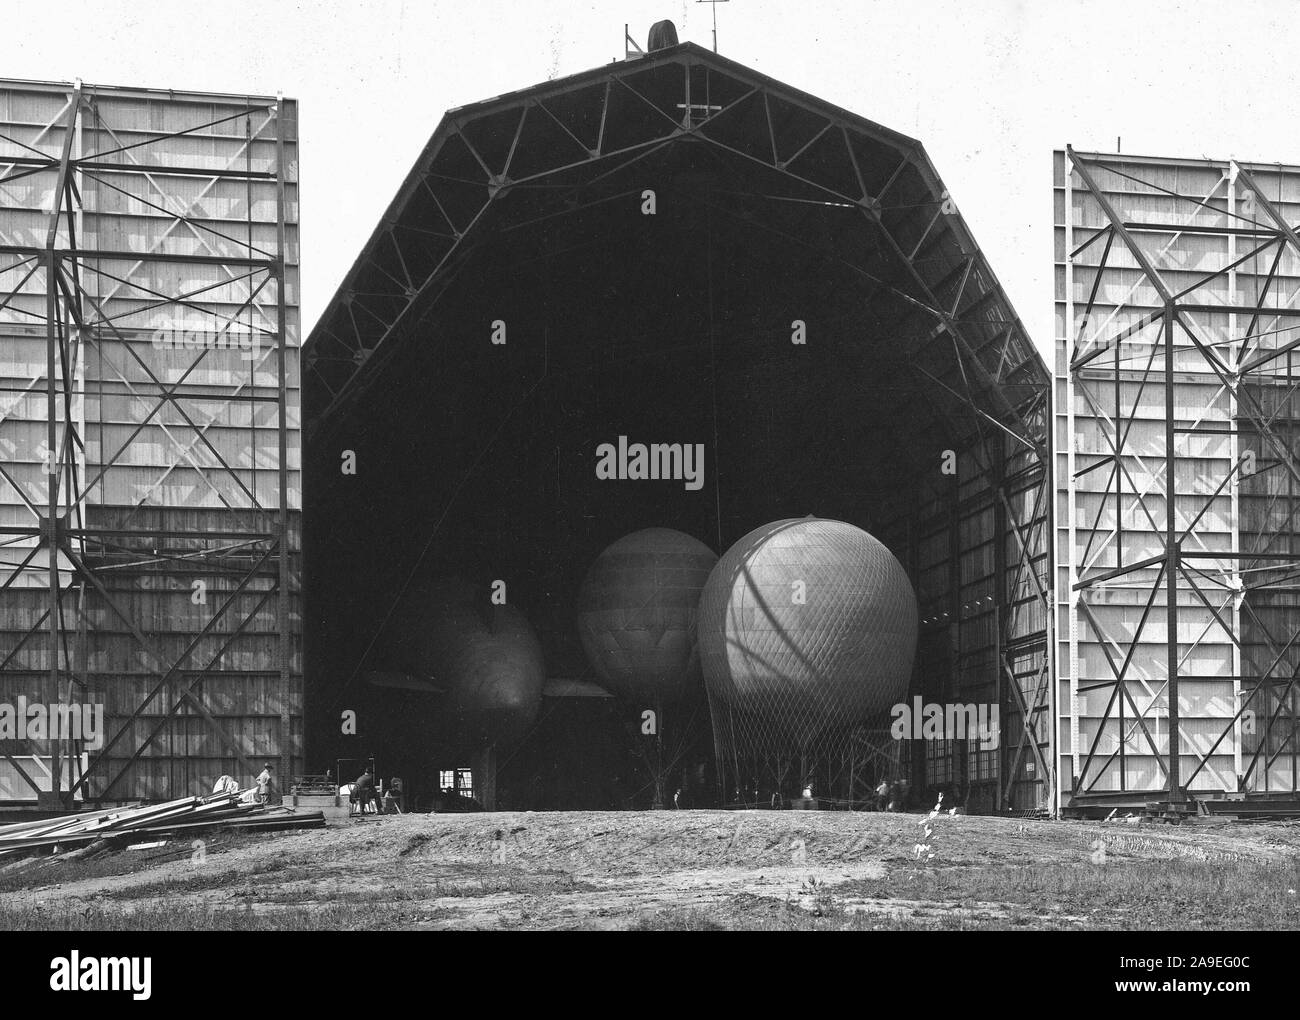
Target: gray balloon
x=636, y=614
x=808, y=624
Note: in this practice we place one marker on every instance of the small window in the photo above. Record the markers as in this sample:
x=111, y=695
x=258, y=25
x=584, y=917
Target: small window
x=459, y=780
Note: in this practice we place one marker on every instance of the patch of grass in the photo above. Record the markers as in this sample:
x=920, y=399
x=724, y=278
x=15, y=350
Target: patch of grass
x=182, y=917
x=678, y=920
x=1139, y=895
x=754, y=914
x=1150, y=895
x=205, y=878
x=289, y=862
x=43, y=871
x=517, y=883
x=284, y=871
x=415, y=844
x=40, y=871
x=467, y=887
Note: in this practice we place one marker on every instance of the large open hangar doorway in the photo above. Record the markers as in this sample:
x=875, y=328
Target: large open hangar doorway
x=675, y=249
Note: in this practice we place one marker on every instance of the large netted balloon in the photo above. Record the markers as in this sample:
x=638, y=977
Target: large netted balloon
x=636, y=615
x=807, y=628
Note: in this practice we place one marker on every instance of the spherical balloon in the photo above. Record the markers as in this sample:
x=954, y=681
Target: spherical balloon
x=636, y=614
x=807, y=624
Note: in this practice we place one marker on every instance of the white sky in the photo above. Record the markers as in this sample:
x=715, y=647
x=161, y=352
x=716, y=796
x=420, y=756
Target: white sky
x=990, y=87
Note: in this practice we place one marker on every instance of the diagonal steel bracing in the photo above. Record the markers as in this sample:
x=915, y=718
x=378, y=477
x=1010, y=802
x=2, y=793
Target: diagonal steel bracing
x=1187, y=345
x=99, y=298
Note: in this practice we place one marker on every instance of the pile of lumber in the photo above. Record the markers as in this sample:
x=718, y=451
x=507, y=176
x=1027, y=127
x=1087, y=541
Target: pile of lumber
x=106, y=829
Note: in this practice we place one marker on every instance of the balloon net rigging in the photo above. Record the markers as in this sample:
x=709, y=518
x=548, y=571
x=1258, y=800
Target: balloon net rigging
x=807, y=635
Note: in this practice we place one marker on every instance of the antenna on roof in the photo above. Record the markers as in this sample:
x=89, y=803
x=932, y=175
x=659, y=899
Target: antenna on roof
x=715, y=18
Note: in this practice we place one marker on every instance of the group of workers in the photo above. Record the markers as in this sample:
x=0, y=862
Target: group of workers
x=892, y=795
x=365, y=798
x=261, y=792
x=363, y=794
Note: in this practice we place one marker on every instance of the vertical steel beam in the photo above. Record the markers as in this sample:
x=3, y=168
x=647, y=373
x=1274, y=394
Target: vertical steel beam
x=52, y=457
x=282, y=474
x=1001, y=616
x=1048, y=525
x=954, y=692
x=51, y=475
x=1172, y=546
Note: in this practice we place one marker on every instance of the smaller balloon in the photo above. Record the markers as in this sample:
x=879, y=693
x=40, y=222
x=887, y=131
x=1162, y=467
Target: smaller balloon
x=636, y=614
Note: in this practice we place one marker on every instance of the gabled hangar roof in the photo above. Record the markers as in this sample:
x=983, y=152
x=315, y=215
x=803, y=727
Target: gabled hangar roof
x=864, y=193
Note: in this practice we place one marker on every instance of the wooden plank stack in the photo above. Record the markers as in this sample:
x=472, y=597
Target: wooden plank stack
x=119, y=826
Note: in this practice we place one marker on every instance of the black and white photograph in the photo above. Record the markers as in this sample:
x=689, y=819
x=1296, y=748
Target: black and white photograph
x=673, y=465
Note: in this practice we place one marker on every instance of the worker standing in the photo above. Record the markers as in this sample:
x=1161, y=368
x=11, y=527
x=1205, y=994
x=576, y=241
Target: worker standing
x=264, y=784
x=882, y=795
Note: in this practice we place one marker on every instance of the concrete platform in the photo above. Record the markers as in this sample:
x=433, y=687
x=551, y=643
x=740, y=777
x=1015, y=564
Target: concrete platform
x=334, y=808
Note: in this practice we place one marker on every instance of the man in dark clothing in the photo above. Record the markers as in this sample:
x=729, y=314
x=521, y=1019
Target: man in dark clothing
x=363, y=792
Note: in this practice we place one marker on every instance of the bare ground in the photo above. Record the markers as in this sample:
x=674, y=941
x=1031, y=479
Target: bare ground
x=548, y=870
